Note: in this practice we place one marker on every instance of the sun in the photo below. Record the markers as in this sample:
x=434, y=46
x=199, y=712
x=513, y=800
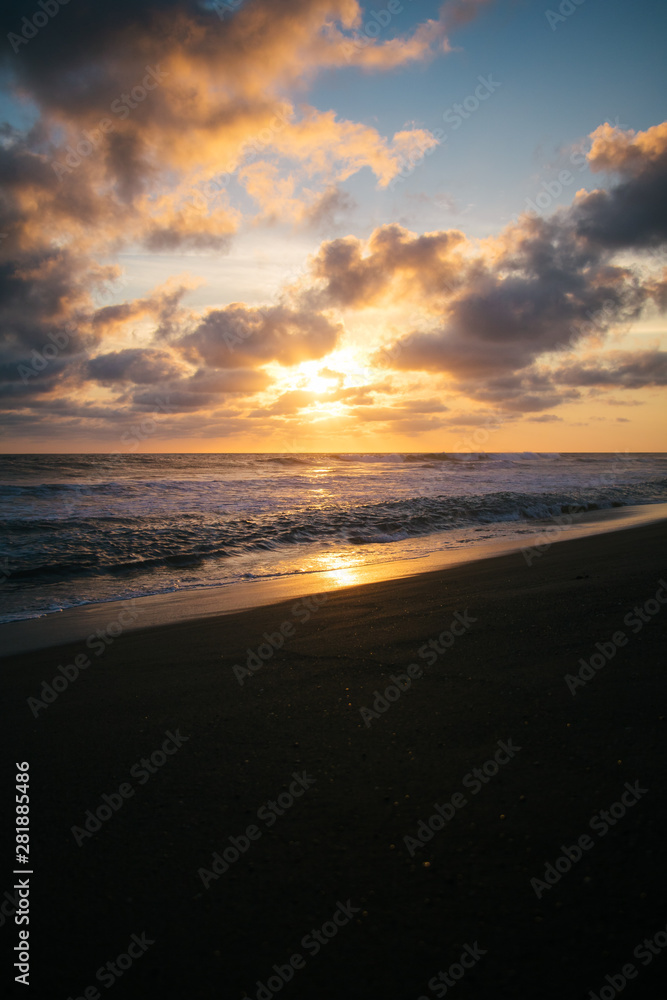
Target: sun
x=340, y=369
x=318, y=384
x=313, y=376
x=320, y=390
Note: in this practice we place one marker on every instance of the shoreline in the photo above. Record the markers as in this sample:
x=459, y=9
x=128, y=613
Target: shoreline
x=155, y=610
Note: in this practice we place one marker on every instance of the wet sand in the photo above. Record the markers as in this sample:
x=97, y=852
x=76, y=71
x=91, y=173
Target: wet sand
x=156, y=610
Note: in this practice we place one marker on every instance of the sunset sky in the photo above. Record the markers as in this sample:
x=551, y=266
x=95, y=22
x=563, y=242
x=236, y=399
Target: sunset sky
x=312, y=225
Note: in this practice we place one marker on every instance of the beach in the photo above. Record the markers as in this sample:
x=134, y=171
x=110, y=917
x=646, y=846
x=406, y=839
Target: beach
x=346, y=794
x=333, y=500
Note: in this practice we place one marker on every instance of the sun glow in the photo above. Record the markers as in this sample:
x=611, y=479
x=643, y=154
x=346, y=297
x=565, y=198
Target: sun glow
x=343, y=369
x=318, y=384
x=312, y=376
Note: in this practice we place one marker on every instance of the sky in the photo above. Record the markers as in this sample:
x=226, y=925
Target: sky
x=319, y=225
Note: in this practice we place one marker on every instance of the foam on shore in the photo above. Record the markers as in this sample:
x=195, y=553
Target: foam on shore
x=156, y=610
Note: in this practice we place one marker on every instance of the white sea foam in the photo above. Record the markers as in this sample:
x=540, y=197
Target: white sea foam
x=83, y=528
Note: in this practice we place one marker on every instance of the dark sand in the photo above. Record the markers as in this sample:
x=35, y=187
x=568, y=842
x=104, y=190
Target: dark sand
x=344, y=839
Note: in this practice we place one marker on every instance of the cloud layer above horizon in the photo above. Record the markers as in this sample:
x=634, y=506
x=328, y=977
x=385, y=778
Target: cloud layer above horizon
x=172, y=128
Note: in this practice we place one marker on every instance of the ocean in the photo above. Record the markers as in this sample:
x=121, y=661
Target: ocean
x=81, y=529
